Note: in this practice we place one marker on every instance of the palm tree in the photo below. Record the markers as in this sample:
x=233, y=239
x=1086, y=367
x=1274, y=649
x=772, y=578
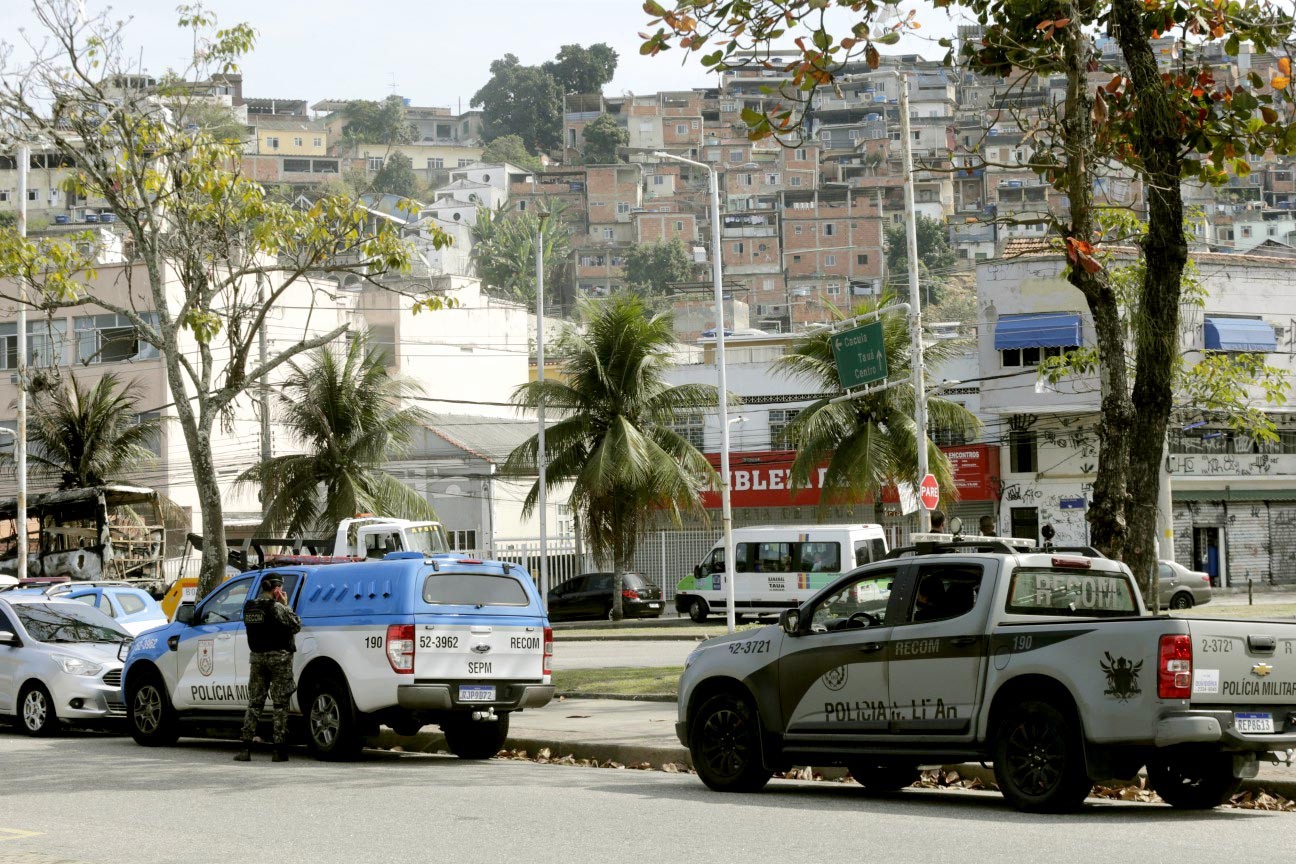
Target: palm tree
x=343, y=407
x=869, y=442
x=89, y=436
x=614, y=443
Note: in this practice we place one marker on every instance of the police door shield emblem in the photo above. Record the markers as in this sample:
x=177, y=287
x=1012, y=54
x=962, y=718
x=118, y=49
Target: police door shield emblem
x=206, y=657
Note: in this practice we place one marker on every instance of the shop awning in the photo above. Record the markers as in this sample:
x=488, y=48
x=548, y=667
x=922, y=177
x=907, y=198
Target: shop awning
x=1239, y=334
x=1039, y=330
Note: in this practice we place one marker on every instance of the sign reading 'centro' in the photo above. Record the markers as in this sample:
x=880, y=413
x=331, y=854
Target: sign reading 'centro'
x=861, y=355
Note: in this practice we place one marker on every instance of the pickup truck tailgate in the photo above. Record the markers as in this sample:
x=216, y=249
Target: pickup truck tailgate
x=1236, y=663
x=478, y=651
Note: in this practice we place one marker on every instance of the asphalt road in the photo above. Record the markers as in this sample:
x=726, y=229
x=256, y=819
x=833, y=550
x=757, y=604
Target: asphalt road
x=604, y=653
x=103, y=800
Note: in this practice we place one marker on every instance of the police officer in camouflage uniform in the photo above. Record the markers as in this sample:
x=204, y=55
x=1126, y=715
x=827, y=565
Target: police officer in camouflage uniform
x=271, y=627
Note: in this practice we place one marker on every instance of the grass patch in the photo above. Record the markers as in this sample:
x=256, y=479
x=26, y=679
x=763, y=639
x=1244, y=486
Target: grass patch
x=620, y=681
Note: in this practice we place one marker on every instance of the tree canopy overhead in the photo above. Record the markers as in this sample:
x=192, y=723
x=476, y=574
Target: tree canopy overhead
x=213, y=252
x=583, y=70
x=1191, y=115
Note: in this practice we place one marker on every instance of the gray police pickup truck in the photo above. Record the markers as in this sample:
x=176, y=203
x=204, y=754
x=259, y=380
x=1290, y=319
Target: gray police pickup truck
x=1047, y=664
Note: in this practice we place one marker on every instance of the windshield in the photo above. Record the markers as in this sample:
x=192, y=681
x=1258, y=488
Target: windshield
x=67, y=622
x=425, y=539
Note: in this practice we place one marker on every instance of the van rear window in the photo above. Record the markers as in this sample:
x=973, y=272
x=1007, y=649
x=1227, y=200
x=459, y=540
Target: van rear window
x=1066, y=592
x=474, y=589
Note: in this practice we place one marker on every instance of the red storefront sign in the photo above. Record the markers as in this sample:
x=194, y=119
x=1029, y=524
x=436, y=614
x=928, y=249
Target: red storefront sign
x=763, y=478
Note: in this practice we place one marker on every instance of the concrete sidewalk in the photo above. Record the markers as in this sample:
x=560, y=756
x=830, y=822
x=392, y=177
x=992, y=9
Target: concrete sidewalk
x=632, y=733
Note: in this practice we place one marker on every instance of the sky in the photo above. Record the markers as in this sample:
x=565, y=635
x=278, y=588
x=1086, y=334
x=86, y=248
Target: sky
x=434, y=52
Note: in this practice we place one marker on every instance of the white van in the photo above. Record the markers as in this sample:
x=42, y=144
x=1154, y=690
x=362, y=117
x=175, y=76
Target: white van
x=778, y=567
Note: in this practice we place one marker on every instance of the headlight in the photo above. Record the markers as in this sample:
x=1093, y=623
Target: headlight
x=77, y=666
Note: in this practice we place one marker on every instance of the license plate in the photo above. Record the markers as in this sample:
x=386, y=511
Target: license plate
x=476, y=693
x=654, y=605
x=1253, y=722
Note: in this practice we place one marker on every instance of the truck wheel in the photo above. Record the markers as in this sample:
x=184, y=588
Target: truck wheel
x=1182, y=600
x=332, y=729
x=475, y=739
x=36, y=714
x=1039, y=760
x=725, y=743
x=149, y=713
x=1196, y=781
x=698, y=610
x=883, y=778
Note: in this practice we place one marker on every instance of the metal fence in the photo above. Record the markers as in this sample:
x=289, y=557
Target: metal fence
x=665, y=557
x=564, y=561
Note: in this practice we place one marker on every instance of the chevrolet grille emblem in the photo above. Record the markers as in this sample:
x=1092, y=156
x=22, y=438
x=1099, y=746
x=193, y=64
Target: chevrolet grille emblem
x=1260, y=670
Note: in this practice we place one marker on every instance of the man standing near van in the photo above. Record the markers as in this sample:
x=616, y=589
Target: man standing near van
x=271, y=628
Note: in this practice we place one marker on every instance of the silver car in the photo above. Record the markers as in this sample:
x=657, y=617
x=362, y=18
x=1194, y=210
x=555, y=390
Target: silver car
x=60, y=661
x=1182, y=588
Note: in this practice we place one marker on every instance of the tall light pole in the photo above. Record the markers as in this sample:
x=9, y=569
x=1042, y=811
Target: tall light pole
x=543, y=216
x=915, y=307
x=20, y=442
x=717, y=277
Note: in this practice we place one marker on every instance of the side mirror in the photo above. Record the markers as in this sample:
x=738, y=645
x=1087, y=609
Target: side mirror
x=185, y=614
x=7, y=638
x=790, y=621
x=697, y=572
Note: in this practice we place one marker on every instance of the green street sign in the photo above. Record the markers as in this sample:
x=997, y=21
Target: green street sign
x=861, y=355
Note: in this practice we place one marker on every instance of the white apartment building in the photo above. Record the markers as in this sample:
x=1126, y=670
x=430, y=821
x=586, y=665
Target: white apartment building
x=1233, y=504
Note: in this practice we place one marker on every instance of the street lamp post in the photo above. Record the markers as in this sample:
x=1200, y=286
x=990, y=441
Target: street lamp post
x=20, y=438
x=717, y=277
x=540, y=408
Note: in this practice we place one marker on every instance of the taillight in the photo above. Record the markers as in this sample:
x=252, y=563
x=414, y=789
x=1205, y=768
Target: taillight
x=400, y=648
x=1174, y=667
x=630, y=594
x=1073, y=563
x=548, y=651
x=1205, y=577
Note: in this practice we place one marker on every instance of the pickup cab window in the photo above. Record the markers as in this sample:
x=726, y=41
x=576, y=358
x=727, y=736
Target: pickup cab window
x=859, y=602
x=944, y=591
x=1041, y=591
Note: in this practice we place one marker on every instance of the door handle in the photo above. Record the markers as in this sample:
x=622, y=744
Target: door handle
x=871, y=647
x=224, y=636
x=963, y=641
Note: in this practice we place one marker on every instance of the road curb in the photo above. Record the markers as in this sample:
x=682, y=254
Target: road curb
x=620, y=697
x=657, y=757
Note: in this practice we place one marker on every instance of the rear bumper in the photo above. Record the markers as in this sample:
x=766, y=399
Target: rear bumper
x=442, y=697
x=1216, y=727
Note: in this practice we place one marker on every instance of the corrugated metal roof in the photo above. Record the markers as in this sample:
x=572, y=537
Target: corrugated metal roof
x=488, y=438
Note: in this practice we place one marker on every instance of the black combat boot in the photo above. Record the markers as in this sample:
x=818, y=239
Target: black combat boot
x=244, y=755
x=280, y=753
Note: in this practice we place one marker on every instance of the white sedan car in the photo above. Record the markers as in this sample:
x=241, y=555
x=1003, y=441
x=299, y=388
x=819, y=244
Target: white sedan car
x=60, y=661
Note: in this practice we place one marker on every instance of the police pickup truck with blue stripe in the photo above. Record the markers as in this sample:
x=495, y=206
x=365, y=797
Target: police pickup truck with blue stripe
x=1045, y=663
x=406, y=641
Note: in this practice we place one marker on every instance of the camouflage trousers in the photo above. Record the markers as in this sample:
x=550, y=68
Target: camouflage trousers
x=272, y=674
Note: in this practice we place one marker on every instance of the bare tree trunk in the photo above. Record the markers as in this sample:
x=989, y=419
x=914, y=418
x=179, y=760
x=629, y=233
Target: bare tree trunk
x=1107, y=514
x=619, y=566
x=1156, y=141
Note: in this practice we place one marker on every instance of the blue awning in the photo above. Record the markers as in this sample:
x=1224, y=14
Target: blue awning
x=1239, y=334
x=1040, y=330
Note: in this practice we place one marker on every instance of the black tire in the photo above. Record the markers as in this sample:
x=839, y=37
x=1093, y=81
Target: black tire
x=1039, y=758
x=36, y=713
x=698, y=610
x=725, y=743
x=149, y=714
x=332, y=728
x=1193, y=780
x=884, y=778
x=1182, y=600
x=475, y=739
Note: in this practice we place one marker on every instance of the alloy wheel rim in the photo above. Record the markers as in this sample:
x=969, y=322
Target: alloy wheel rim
x=724, y=742
x=35, y=710
x=1034, y=756
x=148, y=709
x=325, y=719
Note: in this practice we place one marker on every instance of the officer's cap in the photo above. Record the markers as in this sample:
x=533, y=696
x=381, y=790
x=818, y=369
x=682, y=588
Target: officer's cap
x=271, y=583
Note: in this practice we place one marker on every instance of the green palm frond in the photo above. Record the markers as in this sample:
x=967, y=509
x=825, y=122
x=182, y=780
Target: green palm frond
x=342, y=407
x=612, y=440
x=869, y=442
